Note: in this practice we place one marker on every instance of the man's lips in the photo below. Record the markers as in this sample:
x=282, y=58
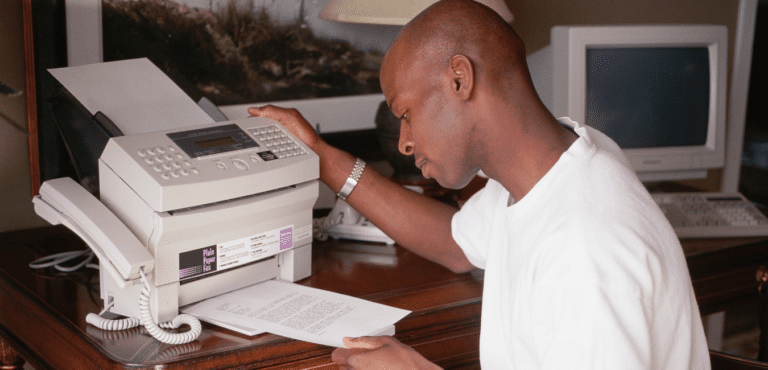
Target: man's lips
x=420, y=162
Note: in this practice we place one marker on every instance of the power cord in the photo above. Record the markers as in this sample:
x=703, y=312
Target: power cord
x=57, y=260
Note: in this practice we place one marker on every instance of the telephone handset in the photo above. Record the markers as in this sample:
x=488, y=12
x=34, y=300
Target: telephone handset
x=63, y=201
x=344, y=222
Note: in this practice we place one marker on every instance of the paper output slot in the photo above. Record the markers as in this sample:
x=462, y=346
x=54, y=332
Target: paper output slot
x=228, y=201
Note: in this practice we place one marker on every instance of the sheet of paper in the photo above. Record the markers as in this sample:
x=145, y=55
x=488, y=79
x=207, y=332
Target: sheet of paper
x=297, y=312
x=134, y=94
x=240, y=329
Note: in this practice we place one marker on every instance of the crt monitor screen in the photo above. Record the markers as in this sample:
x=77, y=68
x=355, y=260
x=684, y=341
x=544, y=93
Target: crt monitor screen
x=649, y=97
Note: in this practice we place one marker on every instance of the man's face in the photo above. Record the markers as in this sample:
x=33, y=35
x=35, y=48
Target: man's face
x=432, y=127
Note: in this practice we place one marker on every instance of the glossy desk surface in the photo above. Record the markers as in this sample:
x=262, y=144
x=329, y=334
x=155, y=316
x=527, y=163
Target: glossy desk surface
x=42, y=313
x=723, y=270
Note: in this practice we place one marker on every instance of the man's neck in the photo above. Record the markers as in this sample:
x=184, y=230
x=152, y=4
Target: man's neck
x=524, y=156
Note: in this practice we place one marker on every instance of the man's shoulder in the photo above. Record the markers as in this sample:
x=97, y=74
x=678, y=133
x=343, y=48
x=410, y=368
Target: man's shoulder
x=594, y=137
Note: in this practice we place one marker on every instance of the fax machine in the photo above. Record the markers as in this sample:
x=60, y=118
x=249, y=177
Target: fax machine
x=198, y=211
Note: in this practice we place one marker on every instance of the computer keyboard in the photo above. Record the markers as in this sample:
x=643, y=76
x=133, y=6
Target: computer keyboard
x=711, y=215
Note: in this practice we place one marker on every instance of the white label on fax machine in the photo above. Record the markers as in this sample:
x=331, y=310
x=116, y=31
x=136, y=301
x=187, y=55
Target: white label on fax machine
x=234, y=253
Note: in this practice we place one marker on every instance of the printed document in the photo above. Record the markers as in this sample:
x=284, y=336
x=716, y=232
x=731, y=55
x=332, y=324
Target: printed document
x=298, y=312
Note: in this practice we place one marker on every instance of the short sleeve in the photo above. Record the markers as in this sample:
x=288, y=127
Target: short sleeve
x=473, y=226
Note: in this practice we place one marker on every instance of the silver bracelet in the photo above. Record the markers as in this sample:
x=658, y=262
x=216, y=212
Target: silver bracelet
x=352, y=180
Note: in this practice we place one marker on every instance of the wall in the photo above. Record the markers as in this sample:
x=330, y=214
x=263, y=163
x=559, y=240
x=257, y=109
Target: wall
x=534, y=18
x=16, y=210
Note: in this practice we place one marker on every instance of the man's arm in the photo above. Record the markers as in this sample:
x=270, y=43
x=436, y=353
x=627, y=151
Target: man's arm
x=416, y=222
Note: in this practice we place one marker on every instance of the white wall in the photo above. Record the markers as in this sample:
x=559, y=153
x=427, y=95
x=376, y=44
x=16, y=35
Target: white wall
x=16, y=210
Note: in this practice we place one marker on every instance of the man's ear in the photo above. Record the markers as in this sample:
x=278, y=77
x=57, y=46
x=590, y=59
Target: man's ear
x=462, y=76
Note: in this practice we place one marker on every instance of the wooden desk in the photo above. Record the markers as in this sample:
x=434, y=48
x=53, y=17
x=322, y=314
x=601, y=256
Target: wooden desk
x=42, y=313
x=723, y=270
x=724, y=275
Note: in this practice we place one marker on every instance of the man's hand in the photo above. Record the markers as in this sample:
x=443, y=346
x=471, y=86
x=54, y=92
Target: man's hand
x=380, y=353
x=292, y=120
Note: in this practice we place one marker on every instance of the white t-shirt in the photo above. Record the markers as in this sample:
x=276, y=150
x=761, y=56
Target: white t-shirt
x=584, y=272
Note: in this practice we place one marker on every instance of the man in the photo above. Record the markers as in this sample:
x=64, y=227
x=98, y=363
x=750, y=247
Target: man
x=582, y=270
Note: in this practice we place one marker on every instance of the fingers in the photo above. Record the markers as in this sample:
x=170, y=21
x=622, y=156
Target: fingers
x=276, y=113
x=357, y=346
x=364, y=342
x=291, y=119
x=345, y=357
x=367, y=353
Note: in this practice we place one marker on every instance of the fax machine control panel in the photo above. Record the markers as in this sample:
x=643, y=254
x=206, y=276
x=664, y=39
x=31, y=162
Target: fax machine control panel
x=244, y=156
x=174, y=161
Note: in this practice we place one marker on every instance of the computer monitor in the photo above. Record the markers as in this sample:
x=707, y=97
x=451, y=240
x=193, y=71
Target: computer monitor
x=659, y=91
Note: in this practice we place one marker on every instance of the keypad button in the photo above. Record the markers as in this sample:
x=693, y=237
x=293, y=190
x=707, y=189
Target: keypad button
x=240, y=164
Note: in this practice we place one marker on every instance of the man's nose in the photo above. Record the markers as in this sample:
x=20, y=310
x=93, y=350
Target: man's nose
x=405, y=144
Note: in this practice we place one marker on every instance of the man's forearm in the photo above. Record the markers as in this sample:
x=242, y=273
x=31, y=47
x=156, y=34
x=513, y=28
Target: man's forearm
x=416, y=222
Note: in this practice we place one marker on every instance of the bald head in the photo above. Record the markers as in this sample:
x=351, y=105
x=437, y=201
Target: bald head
x=457, y=27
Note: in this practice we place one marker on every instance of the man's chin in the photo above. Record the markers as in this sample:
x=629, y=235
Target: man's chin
x=458, y=184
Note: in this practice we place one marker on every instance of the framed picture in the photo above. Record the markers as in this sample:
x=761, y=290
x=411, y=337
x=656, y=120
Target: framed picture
x=234, y=52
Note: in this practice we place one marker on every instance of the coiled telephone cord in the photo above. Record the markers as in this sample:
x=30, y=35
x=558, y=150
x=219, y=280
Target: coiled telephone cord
x=149, y=323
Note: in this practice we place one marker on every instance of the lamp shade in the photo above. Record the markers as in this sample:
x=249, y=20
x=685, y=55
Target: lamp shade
x=391, y=12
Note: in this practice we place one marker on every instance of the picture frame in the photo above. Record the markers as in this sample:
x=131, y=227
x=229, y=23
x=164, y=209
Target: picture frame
x=31, y=96
x=84, y=43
